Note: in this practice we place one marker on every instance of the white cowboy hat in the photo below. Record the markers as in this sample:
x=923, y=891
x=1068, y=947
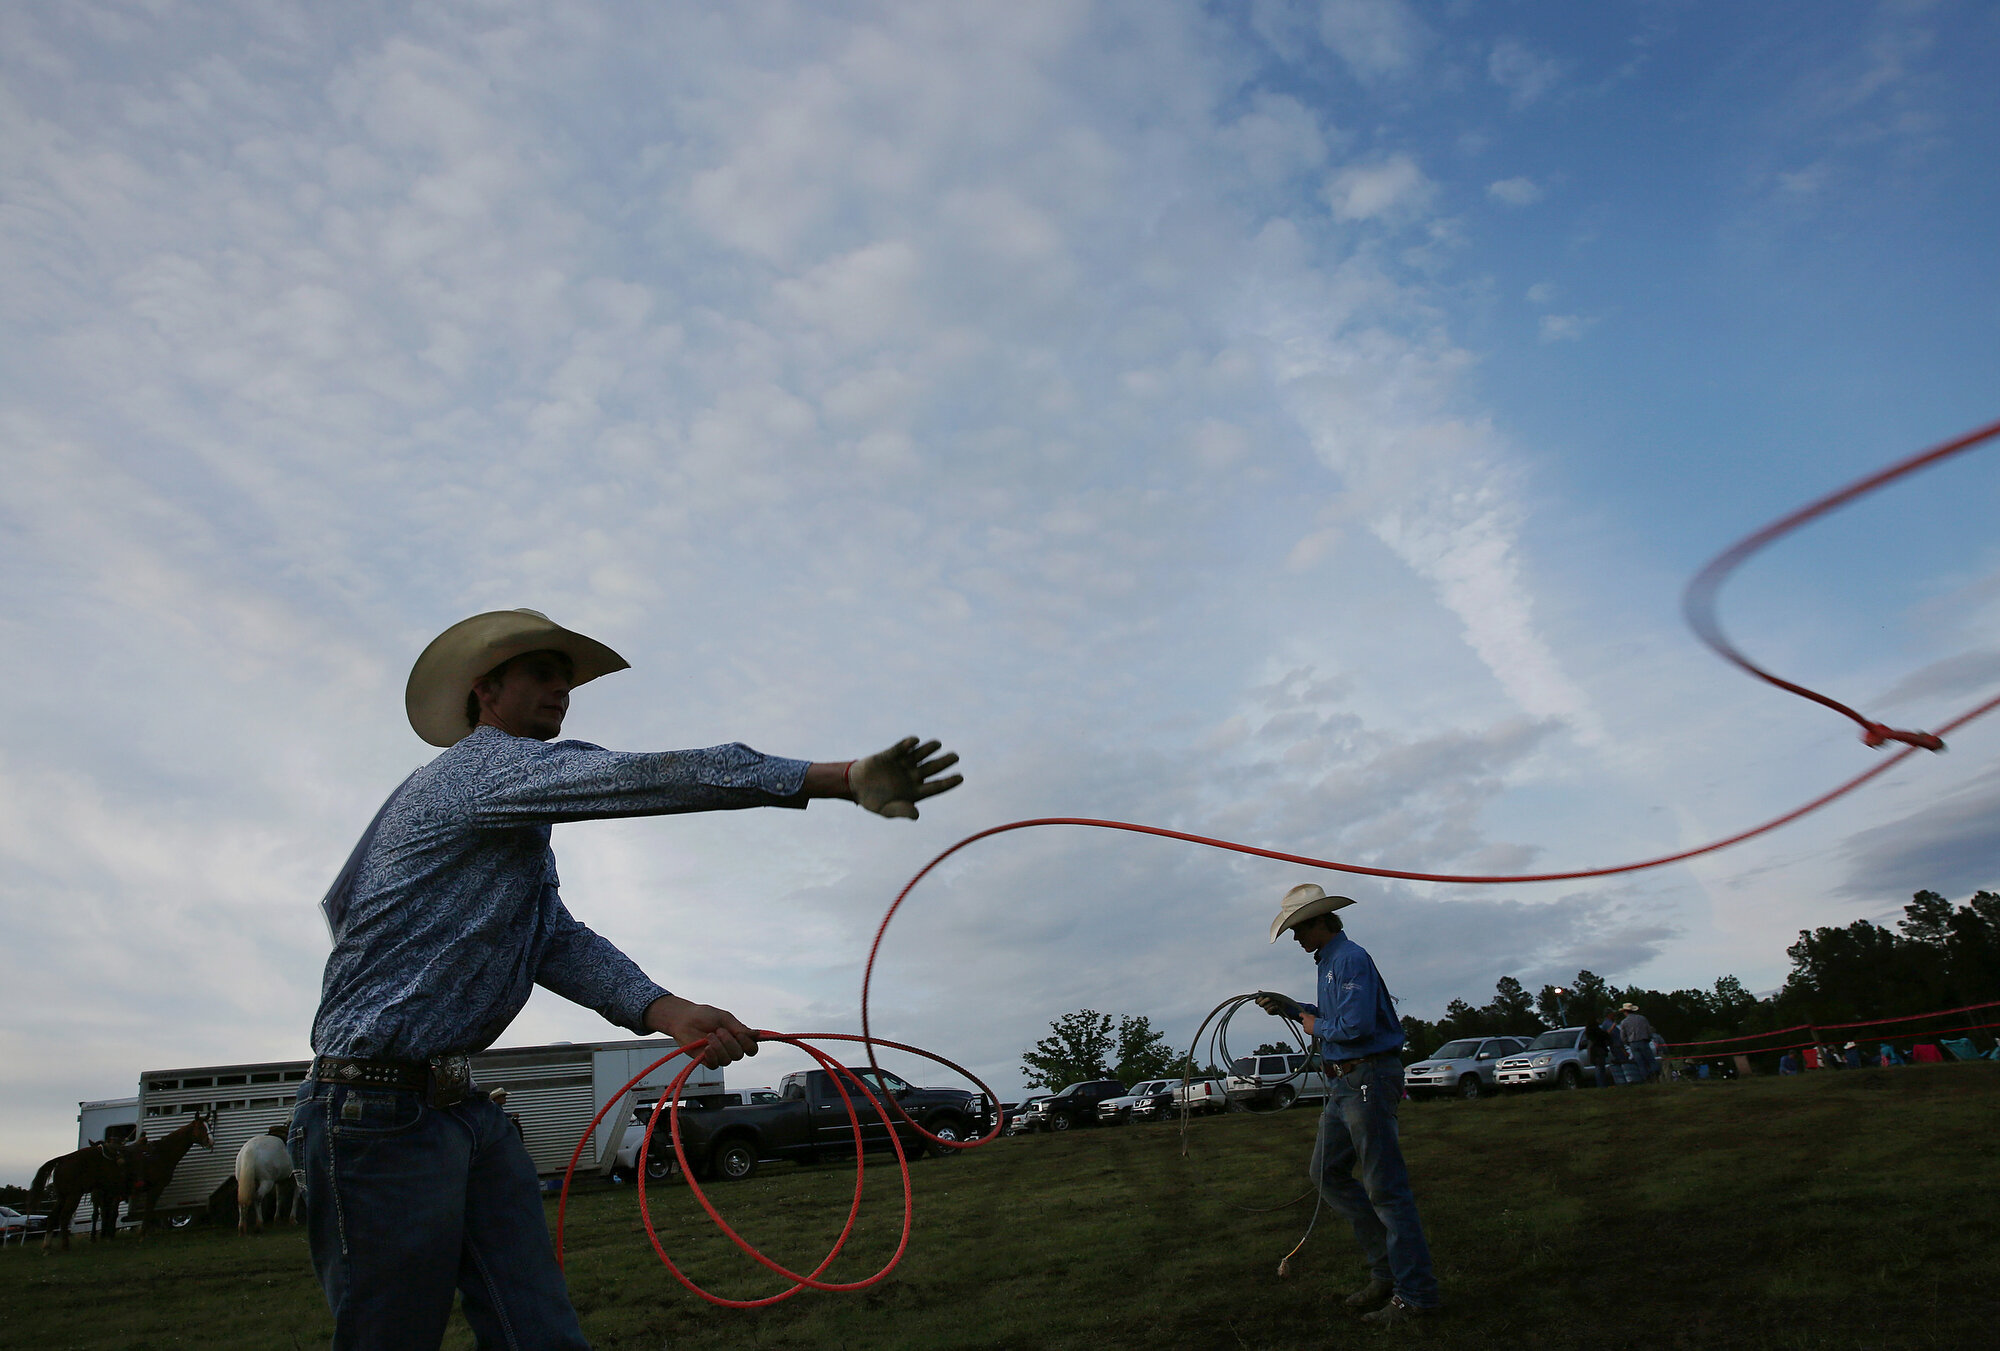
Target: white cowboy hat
x=1303, y=902
x=443, y=675
x=1628, y=1008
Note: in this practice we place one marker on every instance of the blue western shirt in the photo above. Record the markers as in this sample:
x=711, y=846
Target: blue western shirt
x=1358, y=1020
x=448, y=913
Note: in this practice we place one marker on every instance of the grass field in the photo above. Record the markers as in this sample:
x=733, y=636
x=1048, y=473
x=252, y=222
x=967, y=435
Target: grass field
x=1829, y=1210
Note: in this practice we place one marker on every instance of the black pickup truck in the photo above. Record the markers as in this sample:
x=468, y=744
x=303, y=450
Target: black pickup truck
x=809, y=1121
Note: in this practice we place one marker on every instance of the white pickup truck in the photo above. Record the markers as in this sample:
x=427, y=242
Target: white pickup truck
x=1272, y=1083
x=1200, y=1097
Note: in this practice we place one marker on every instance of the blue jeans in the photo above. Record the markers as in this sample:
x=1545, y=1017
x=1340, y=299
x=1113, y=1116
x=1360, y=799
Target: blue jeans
x=1359, y=1126
x=406, y=1203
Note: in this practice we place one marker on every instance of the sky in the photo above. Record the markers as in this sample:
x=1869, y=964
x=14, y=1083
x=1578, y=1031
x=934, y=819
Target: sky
x=1291, y=422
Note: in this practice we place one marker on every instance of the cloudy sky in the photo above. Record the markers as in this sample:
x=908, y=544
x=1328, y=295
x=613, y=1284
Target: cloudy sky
x=1289, y=421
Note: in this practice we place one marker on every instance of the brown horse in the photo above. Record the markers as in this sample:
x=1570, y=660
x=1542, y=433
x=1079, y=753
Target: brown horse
x=154, y=1162
x=103, y=1171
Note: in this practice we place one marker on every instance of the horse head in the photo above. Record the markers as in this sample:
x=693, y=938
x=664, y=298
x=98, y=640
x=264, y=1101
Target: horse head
x=200, y=1129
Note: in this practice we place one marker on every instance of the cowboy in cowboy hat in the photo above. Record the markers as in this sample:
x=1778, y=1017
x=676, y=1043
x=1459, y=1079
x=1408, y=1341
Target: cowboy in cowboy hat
x=445, y=917
x=1637, y=1029
x=1359, y=1034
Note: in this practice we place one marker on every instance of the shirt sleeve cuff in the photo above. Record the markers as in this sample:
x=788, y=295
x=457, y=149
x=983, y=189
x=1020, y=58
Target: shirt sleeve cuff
x=632, y=1005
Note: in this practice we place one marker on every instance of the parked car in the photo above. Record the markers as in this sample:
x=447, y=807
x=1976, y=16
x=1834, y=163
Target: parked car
x=1119, y=1110
x=1275, y=1082
x=13, y=1224
x=1021, y=1119
x=1465, y=1067
x=1558, y=1059
x=1075, y=1106
x=810, y=1117
x=1199, y=1097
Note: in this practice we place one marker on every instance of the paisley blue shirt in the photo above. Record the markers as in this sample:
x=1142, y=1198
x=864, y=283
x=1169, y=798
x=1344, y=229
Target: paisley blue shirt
x=1359, y=1019
x=448, y=914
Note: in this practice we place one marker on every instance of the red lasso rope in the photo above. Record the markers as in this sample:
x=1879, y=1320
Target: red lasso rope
x=1698, y=605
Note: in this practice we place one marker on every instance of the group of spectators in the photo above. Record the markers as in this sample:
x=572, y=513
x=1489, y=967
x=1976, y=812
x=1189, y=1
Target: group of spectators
x=1627, y=1050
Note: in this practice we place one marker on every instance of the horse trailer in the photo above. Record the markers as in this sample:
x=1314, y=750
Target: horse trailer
x=552, y=1093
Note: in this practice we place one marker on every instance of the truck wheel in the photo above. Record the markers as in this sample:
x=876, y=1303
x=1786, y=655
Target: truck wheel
x=1569, y=1077
x=1060, y=1122
x=945, y=1128
x=660, y=1164
x=1283, y=1098
x=1470, y=1088
x=734, y=1160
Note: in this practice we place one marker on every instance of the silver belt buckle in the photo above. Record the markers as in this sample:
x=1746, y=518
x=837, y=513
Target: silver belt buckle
x=450, y=1079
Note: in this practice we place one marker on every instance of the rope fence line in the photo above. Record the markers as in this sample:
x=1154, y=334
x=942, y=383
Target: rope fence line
x=1695, y=1049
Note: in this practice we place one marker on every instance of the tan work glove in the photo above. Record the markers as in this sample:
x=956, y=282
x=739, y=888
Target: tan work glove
x=892, y=782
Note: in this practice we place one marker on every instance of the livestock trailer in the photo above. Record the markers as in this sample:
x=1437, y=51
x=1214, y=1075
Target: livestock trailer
x=553, y=1091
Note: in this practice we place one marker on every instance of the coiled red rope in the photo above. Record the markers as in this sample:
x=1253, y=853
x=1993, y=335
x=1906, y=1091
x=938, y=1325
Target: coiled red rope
x=670, y=1102
x=1698, y=605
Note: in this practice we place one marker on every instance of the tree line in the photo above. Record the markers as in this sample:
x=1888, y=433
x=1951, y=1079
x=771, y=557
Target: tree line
x=1938, y=956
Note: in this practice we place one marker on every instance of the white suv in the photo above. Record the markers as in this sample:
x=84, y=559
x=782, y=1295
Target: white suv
x=1465, y=1067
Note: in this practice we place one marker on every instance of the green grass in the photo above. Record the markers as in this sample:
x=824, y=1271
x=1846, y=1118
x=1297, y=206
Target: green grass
x=1829, y=1210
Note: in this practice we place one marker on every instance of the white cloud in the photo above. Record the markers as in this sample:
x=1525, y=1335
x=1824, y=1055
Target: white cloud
x=1516, y=191
x=1377, y=39
x=1564, y=327
x=1388, y=189
x=1543, y=293
x=1525, y=74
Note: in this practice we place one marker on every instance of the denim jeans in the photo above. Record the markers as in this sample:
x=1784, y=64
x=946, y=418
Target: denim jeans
x=1643, y=1060
x=406, y=1203
x=1359, y=1126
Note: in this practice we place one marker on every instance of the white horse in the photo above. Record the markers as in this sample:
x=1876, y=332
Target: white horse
x=263, y=1166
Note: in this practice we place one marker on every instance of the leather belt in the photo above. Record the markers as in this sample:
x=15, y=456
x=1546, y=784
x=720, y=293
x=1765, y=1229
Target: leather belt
x=443, y=1079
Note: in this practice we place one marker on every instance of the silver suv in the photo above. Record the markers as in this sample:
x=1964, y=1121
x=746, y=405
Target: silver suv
x=1559, y=1058
x=1465, y=1067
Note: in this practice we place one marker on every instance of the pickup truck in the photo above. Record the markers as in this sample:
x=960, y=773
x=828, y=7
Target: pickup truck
x=1074, y=1106
x=809, y=1119
x=1199, y=1097
x=1118, y=1111
x=1274, y=1082
x=661, y=1161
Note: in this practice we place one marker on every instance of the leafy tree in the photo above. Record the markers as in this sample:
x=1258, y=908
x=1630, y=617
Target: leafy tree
x=1142, y=1052
x=1588, y=996
x=1275, y=1048
x=1512, y=1011
x=1075, y=1049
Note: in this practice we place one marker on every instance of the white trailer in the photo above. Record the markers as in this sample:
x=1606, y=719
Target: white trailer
x=552, y=1090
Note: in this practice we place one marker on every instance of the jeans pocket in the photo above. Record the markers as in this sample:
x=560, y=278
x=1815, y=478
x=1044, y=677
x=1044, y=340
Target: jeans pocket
x=374, y=1113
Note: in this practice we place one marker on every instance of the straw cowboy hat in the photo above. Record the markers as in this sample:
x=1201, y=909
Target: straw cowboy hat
x=443, y=675
x=1303, y=902
x=1628, y=1008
